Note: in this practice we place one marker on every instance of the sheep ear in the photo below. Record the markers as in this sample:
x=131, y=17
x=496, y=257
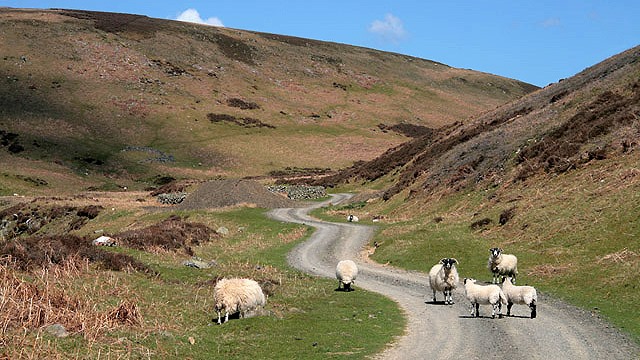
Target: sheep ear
x=442, y=260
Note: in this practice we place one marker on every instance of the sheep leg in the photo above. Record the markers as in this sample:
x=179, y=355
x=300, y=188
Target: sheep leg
x=509, y=305
x=477, y=310
x=499, y=309
x=532, y=306
x=434, y=296
x=226, y=316
x=219, y=316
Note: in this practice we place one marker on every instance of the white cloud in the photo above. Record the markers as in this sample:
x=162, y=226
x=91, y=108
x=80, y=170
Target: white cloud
x=551, y=22
x=192, y=15
x=390, y=29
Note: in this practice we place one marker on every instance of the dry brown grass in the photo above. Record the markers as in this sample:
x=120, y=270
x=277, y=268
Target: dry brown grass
x=33, y=300
x=549, y=270
x=171, y=234
x=622, y=256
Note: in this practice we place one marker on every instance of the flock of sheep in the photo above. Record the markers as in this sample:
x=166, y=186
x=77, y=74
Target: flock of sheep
x=243, y=295
x=444, y=277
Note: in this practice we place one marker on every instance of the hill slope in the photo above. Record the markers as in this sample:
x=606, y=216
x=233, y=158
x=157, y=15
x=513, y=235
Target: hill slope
x=591, y=116
x=127, y=97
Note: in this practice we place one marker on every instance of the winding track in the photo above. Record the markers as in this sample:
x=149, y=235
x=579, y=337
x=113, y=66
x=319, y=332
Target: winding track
x=437, y=331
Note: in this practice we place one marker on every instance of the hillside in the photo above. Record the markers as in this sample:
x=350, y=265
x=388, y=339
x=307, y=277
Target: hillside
x=104, y=99
x=565, y=126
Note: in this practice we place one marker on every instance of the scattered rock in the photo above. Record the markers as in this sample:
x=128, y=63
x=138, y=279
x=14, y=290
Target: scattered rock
x=196, y=262
x=57, y=330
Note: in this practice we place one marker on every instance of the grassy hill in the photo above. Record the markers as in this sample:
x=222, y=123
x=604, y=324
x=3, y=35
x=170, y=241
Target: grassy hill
x=115, y=99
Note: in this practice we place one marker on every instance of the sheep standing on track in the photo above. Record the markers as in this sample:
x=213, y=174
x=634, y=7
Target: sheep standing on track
x=237, y=295
x=522, y=295
x=346, y=272
x=444, y=277
x=502, y=265
x=486, y=295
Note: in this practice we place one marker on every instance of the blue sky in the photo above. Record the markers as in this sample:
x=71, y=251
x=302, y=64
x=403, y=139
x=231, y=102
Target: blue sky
x=537, y=41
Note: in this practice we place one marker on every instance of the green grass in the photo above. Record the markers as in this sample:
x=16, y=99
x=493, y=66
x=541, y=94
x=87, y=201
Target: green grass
x=307, y=318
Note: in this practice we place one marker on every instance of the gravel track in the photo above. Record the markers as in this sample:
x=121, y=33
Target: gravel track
x=438, y=331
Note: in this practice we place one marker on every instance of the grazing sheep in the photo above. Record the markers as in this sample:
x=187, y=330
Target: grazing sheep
x=444, y=277
x=352, y=218
x=486, y=295
x=346, y=272
x=523, y=295
x=502, y=264
x=237, y=295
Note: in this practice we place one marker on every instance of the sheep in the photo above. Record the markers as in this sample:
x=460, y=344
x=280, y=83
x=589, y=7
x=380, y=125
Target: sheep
x=523, y=295
x=486, y=295
x=237, y=295
x=444, y=277
x=346, y=272
x=352, y=218
x=502, y=264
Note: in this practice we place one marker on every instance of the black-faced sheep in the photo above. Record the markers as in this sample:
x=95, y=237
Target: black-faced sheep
x=502, y=264
x=444, y=277
x=346, y=272
x=237, y=295
x=352, y=218
x=484, y=294
x=522, y=295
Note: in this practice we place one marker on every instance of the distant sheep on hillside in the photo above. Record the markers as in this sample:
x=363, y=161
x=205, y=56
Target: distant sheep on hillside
x=352, y=218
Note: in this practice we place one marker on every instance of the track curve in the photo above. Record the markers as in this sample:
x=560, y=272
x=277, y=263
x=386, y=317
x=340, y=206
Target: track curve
x=437, y=331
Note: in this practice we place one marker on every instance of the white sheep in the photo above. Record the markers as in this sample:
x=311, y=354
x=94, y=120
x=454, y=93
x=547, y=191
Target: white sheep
x=352, y=218
x=346, y=272
x=522, y=295
x=444, y=277
x=237, y=295
x=502, y=264
x=484, y=294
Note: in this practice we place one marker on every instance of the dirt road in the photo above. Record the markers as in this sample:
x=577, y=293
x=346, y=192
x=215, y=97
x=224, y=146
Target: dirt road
x=438, y=331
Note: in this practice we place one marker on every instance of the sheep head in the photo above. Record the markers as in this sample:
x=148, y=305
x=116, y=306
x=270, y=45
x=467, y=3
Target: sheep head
x=448, y=263
x=495, y=252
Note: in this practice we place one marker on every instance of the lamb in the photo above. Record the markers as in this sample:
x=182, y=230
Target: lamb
x=502, y=264
x=444, y=277
x=486, y=295
x=346, y=272
x=523, y=295
x=352, y=218
x=237, y=295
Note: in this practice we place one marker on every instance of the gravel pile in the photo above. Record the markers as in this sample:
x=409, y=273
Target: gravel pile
x=220, y=193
